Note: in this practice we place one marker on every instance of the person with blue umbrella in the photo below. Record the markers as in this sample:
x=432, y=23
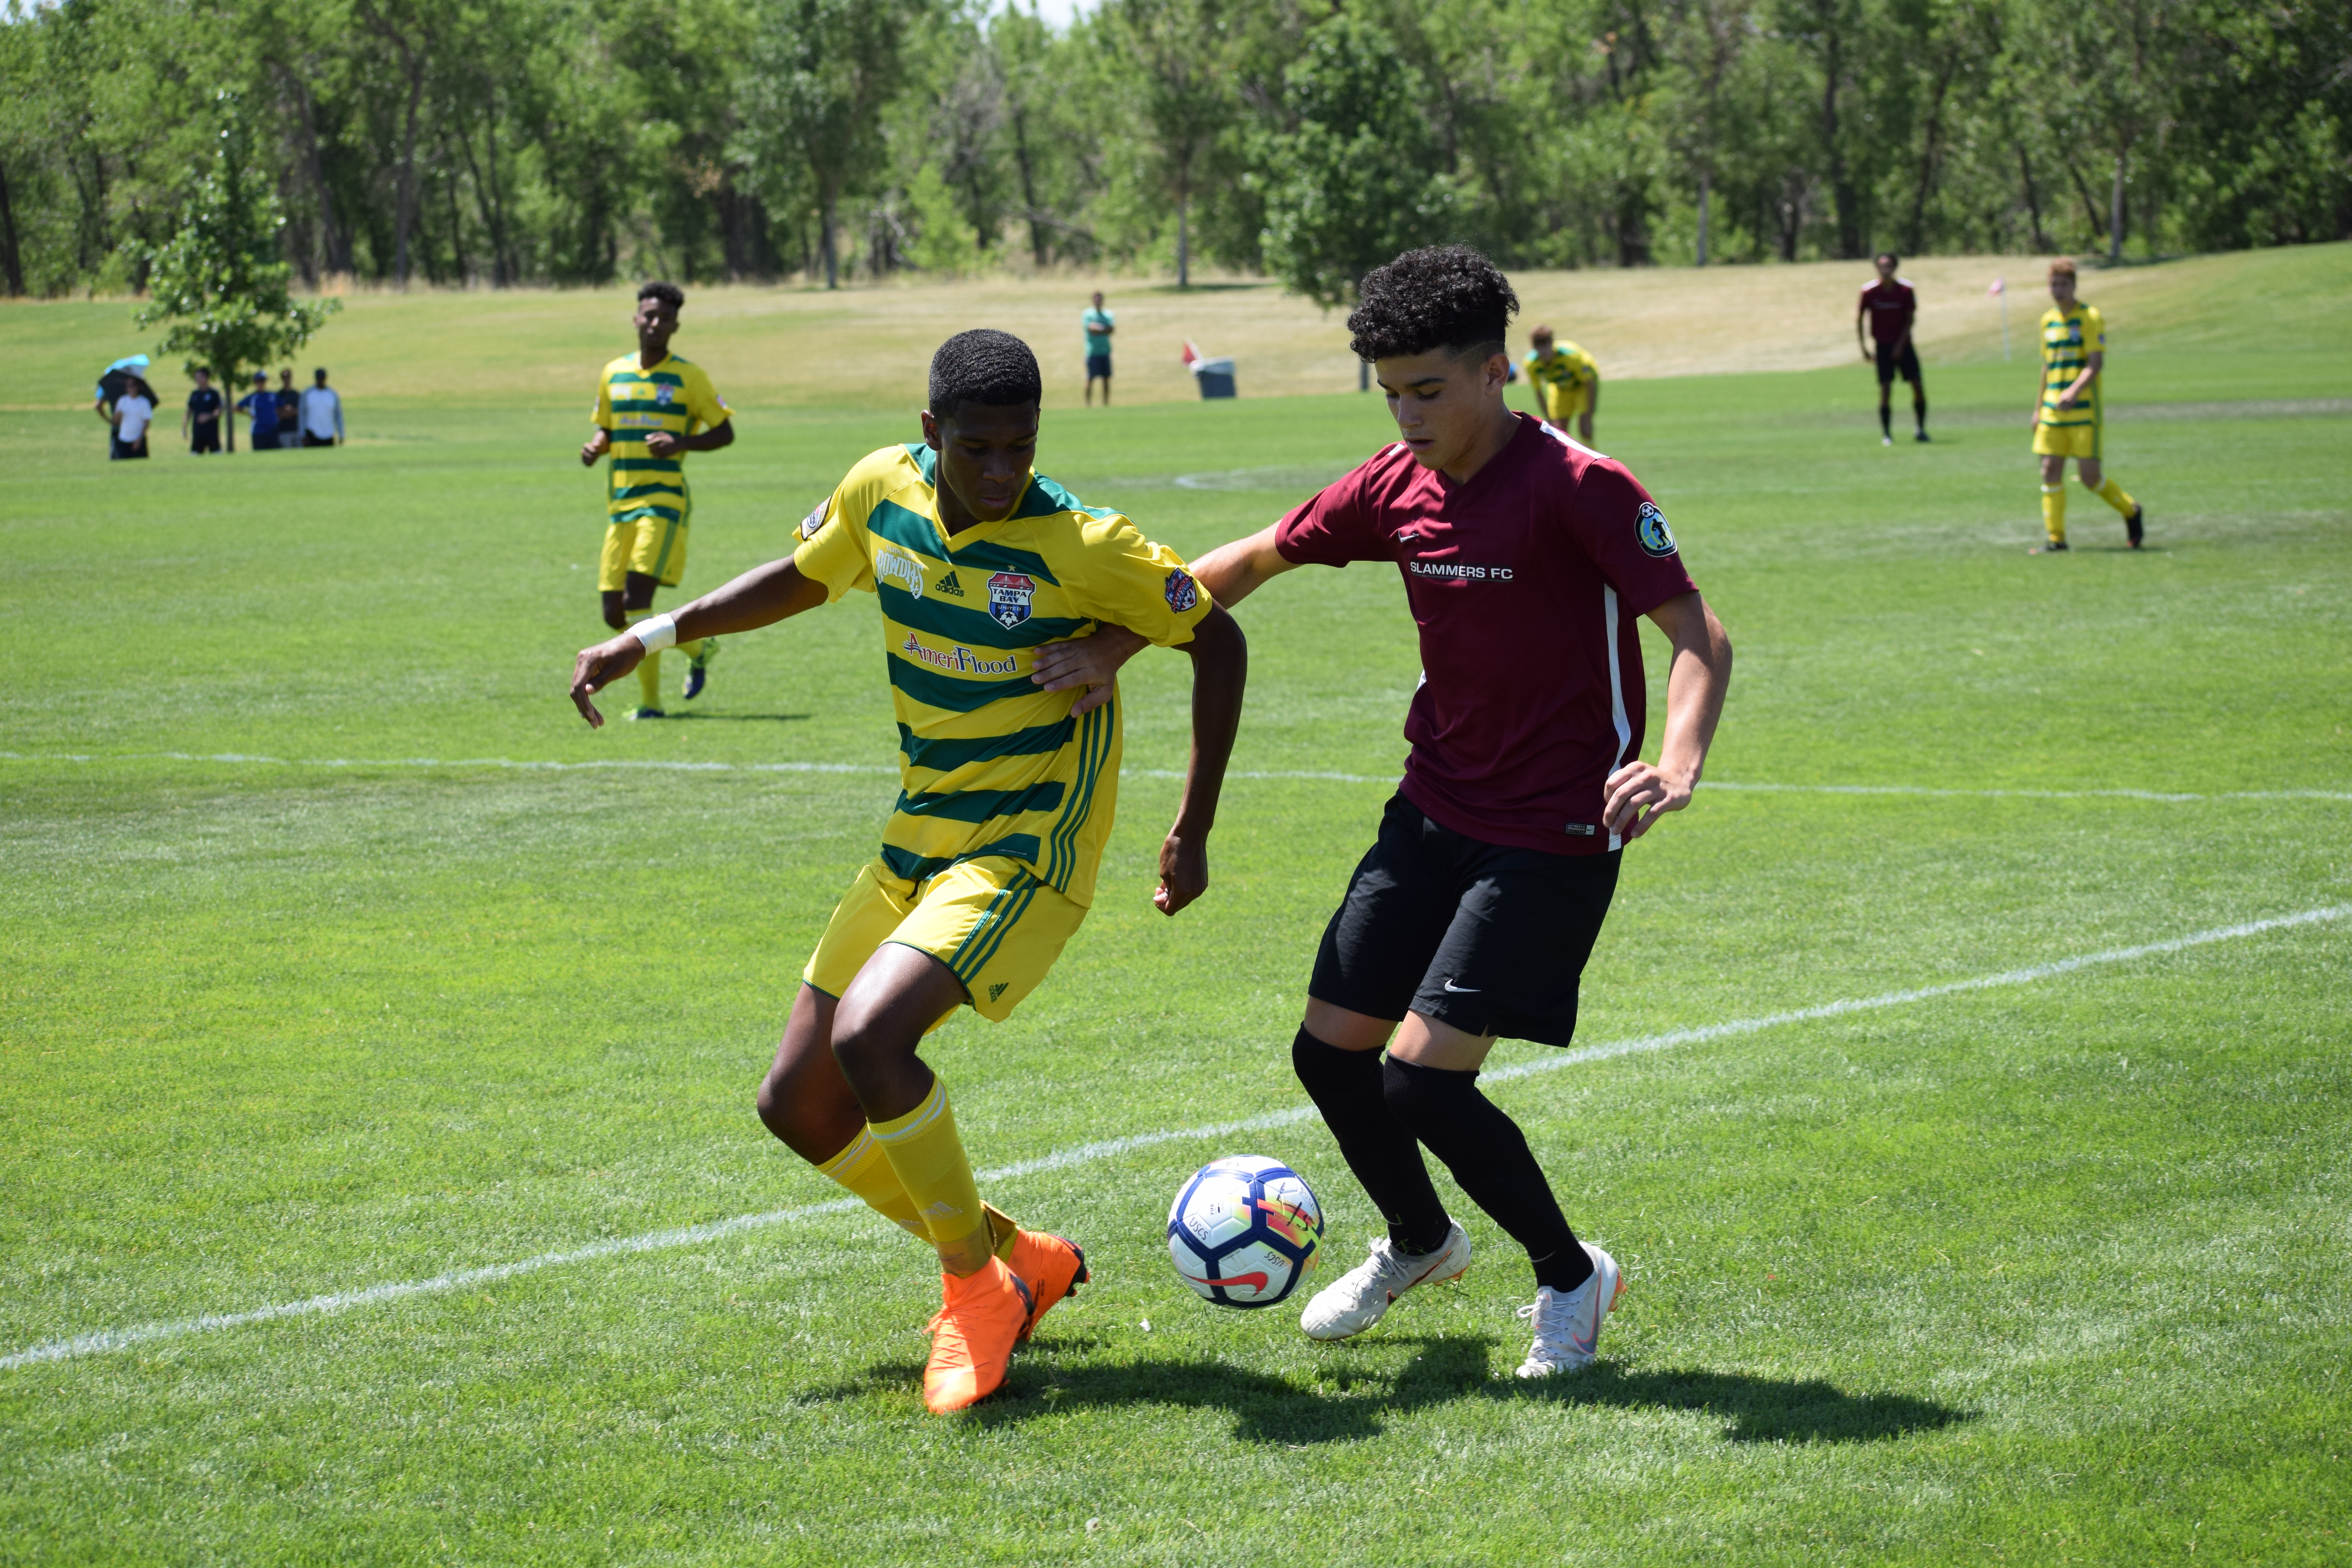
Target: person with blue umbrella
x=111, y=387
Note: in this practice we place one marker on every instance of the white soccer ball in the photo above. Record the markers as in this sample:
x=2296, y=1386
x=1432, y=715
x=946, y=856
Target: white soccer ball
x=1244, y=1231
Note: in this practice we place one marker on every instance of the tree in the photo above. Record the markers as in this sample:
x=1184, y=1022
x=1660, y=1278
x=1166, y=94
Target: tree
x=1177, y=48
x=813, y=95
x=1359, y=177
x=221, y=280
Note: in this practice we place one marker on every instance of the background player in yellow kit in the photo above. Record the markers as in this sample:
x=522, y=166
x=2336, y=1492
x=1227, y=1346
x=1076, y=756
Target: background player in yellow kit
x=651, y=409
x=1567, y=383
x=2070, y=417
x=988, y=864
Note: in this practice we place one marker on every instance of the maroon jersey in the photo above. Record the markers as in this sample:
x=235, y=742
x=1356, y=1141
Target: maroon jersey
x=1525, y=582
x=1891, y=307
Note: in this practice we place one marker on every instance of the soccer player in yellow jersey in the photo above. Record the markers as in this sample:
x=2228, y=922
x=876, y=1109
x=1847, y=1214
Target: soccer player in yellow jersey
x=1566, y=383
x=651, y=409
x=988, y=863
x=2070, y=417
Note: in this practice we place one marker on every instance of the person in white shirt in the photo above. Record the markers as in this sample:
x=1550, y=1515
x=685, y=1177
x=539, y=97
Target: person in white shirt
x=133, y=412
x=323, y=414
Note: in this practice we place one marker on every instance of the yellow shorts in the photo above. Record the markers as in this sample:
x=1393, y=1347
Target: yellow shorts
x=650, y=546
x=2068, y=440
x=1562, y=406
x=998, y=928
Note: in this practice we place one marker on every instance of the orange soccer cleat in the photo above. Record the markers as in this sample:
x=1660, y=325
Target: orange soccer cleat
x=985, y=1315
x=1052, y=1265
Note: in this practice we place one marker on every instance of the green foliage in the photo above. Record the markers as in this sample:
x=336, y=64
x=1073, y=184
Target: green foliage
x=220, y=281
x=506, y=140
x=1359, y=177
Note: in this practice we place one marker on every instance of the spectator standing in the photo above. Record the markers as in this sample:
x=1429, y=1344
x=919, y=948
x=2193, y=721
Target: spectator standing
x=200, y=425
x=260, y=409
x=112, y=384
x=323, y=414
x=1098, y=323
x=289, y=410
x=133, y=412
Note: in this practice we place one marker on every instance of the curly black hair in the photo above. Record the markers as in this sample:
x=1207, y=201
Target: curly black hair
x=1439, y=297
x=669, y=294
x=983, y=365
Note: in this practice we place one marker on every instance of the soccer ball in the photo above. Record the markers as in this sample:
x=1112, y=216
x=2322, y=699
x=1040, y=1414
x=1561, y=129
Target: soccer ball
x=1244, y=1231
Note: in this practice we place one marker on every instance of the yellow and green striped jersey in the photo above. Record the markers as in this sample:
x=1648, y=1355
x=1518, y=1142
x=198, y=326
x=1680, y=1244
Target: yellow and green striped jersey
x=991, y=765
x=632, y=403
x=1562, y=379
x=2069, y=339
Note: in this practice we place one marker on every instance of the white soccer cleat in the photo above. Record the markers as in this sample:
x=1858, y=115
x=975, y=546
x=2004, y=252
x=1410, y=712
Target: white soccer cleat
x=1358, y=1298
x=1568, y=1327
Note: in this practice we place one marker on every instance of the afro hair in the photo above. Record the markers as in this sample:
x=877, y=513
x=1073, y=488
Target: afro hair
x=1443, y=297
x=669, y=294
x=985, y=366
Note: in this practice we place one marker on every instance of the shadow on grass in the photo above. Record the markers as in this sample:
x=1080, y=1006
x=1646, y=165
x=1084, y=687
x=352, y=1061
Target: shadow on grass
x=673, y=717
x=1352, y=1403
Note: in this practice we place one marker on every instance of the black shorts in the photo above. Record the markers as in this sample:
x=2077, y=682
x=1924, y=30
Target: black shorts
x=1894, y=361
x=1489, y=939
x=205, y=437
x=1098, y=367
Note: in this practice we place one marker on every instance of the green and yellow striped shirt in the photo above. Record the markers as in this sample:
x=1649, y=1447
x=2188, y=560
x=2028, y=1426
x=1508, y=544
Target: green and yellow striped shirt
x=2069, y=339
x=632, y=403
x=991, y=765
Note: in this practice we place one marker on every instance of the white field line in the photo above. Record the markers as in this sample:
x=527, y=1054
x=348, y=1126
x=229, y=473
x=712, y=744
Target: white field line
x=629, y=764
x=106, y=1340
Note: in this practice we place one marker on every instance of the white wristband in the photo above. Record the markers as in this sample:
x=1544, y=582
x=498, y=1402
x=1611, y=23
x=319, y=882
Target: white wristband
x=657, y=632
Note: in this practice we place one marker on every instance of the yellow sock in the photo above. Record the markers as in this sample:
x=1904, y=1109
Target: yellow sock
x=928, y=1158
x=2053, y=512
x=690, y=649
x=649, y=681
x=2113, y=494
x=863, y=1169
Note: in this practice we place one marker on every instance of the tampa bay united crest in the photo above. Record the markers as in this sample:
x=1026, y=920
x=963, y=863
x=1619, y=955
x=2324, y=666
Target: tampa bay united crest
x=1008, y=598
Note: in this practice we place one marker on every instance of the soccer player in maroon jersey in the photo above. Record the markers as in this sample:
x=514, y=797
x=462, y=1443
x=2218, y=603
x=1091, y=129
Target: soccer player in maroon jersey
x=1527, y=560
x=1891, y=307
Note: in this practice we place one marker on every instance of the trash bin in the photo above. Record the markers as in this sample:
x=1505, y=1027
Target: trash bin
x=1215, y=376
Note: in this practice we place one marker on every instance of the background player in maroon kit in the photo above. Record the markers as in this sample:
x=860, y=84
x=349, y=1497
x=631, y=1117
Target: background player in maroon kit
x=1527, y=559
x=1891, y=307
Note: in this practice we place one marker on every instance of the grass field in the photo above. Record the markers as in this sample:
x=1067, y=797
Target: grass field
x=325, y=979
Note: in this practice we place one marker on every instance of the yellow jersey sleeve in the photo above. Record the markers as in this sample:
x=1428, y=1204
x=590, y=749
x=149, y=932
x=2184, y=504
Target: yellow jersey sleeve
x=704, y=406
x=2094, y=330
x=1120, y=578
x=602, y=415
x=1587, y=371
x=834, y=547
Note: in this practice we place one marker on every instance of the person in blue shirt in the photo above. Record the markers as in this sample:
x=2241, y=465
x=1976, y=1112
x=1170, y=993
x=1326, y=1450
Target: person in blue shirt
x=260, y=406
x=1098, y=323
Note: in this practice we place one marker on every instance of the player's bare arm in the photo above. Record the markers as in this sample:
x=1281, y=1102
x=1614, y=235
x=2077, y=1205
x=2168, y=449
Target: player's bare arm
x=760, y=598
x=599, y=442
x=1230, y=572
x=1591, y=408
x=1696, y=682
x=2082, y=382
x=1220, y=656
x=662, y=444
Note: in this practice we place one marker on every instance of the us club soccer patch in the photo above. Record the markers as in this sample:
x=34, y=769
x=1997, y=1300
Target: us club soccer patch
x=1656, y=538
x=816, y=519
x=663, y=393
x=1008, y=598
x=1182, y=591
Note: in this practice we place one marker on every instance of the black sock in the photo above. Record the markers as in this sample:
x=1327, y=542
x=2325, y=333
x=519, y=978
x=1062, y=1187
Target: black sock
x=1919, y=412
x=1346, y=1088
x=1488, y=1156
x=1886, y=421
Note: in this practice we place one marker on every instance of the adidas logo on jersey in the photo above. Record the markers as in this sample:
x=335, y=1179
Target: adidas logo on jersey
x=998, y=989
x=949, y=585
